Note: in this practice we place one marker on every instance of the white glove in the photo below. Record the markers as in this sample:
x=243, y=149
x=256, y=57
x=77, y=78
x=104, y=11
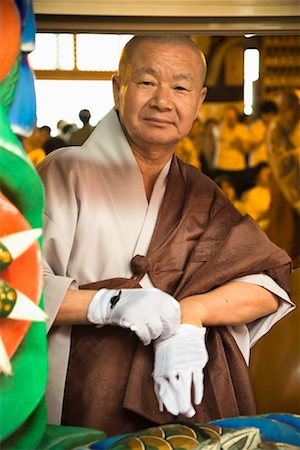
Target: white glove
x=150, y=313
x=178, y=363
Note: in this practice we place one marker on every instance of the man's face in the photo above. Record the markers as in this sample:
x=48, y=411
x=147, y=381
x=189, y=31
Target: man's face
x=159, y=96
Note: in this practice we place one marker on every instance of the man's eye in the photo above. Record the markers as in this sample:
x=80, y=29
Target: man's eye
x=180, y=88
x=147, y=83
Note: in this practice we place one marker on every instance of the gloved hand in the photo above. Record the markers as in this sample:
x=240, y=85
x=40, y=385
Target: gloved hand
x=150, y=313
x=178, y=363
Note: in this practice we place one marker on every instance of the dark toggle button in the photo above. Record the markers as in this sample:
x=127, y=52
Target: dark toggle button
x=114, y=300
x=140, y=264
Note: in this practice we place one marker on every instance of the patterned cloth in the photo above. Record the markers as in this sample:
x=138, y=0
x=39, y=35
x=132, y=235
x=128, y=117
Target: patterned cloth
x=265, y=432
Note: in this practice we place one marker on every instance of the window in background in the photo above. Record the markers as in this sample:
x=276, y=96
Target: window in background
x=251, y=74
x=73, y=72
x=45, y=56
x=63, y=99
x=99, y=51
x=65, y=51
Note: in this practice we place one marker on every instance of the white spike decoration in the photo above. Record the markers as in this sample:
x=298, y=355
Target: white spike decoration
x=26, y=309
x=18, y=243
x=5, y=365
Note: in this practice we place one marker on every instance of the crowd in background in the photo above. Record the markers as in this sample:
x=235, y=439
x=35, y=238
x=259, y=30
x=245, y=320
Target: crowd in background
x=41, y=143
x=255, y=161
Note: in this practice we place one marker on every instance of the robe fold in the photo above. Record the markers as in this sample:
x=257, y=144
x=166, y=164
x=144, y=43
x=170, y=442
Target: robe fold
x=199, y=243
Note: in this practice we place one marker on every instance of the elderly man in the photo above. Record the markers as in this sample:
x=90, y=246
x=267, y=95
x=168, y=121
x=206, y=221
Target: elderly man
x=150, y=271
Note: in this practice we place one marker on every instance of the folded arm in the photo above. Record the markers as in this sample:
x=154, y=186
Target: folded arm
x=74, y=307
x=234, y=303
x=150, y=313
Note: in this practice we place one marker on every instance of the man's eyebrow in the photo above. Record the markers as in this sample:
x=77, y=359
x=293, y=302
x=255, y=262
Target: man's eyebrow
x=146, y=70
x=151, y=71
x=183, y=76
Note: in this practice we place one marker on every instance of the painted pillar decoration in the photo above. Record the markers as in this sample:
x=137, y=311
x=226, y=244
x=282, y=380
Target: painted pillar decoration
x=23, y=350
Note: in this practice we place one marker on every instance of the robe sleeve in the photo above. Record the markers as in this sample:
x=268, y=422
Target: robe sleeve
x=261, y=326
x=60, y=218
x=246, y=336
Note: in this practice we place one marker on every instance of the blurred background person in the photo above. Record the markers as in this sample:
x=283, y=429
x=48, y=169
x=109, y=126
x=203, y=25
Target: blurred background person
x=231, y=148
x=210, y=127
x=284, y=153
x=256, y=200
x=62, y=139
x=197, y=136
x=60, y=126
x=187, y=152
x=258, y=137
x=79, y=136
x=34, y=144
x=67, y=132
x=53, y=143
x=227, y=185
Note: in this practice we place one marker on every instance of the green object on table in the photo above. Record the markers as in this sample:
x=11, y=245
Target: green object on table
x=28, y=435
x=61, y=437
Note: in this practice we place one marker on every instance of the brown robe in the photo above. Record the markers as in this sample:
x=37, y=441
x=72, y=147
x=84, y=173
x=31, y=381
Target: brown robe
x=199, y=243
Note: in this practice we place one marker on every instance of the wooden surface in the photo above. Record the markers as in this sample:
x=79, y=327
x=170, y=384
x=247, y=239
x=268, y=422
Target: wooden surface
x=275, y=362
x=179, y=8
x=215, y=17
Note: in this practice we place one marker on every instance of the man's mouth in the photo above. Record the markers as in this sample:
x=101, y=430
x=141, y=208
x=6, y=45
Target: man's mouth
x=158, y=121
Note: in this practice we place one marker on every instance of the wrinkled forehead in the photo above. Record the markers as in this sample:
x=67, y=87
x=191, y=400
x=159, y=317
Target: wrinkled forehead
x=149, y=55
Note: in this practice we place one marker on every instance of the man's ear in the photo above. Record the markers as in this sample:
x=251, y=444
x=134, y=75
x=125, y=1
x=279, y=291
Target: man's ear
x=203, y=93
x=116, y=90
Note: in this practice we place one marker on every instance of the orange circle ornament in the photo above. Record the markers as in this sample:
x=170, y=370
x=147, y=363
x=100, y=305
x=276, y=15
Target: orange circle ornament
x=24, y=274
x=10, y=35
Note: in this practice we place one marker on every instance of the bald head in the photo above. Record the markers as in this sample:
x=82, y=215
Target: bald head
x=177, y=40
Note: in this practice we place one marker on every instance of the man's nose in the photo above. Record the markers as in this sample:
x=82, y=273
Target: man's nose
x=161, y=99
